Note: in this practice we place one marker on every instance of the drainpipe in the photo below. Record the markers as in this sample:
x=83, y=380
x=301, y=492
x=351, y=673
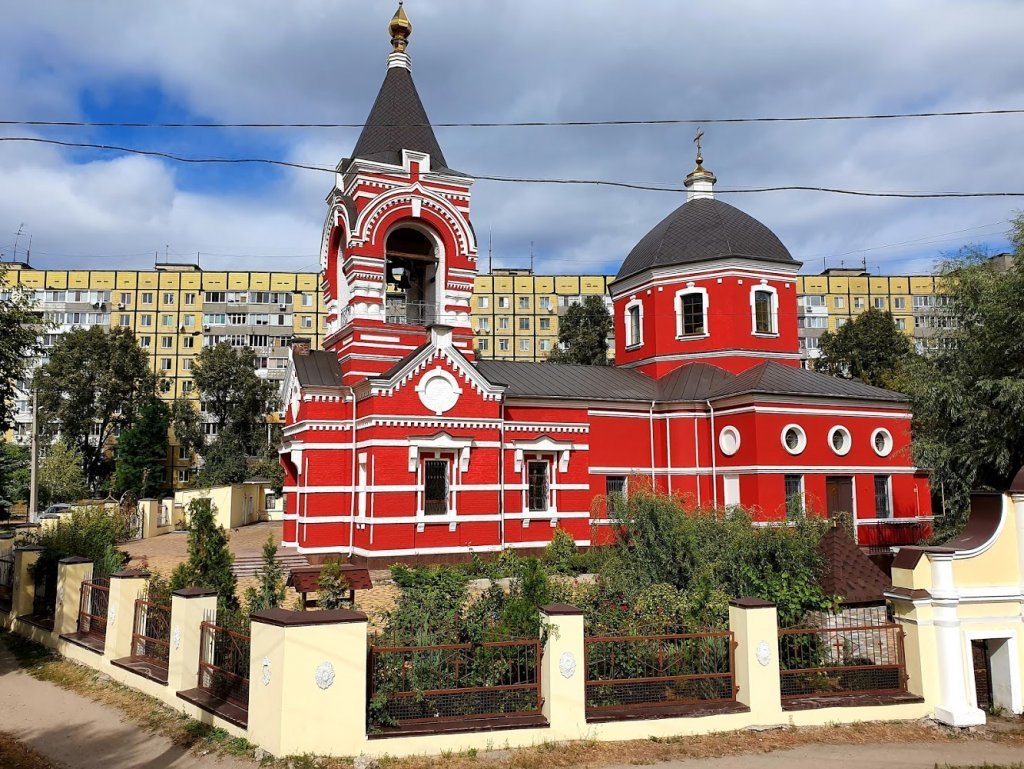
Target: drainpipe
x=352, y=488
x=668, y=453
x=501, y=476
x=696, y=455
x=714, y=467
x=650, y=416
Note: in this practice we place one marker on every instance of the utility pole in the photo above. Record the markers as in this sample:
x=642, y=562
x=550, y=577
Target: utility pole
x=33, y=486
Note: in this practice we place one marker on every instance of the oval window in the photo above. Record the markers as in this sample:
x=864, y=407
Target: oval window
x=839, y=439
x=881, y=442
x=729, y=440
x=794, y=439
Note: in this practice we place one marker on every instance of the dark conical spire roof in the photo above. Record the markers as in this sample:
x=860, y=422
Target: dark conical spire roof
x=398, y=122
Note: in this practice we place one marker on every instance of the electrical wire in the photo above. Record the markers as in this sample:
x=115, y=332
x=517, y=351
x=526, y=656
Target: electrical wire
x=524, y=123
x=527, y=180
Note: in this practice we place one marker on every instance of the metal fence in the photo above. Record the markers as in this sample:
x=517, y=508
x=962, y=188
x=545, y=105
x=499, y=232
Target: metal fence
x=420, y=684
x=44, y=600
x=92, y=608
x=6, y=582
x=151, y=632
x=659, y=670
x=224, y=664
x=403, y=313
x=850, y=660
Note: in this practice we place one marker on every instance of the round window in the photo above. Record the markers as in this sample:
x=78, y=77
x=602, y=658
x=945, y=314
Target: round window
x=839, y=439
x=729, y=440
x=881, y=441
x=794, y=439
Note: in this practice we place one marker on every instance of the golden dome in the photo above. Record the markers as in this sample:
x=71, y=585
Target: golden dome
x=400, y=29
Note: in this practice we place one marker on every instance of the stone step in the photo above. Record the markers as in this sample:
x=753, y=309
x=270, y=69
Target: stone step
x=248, y=564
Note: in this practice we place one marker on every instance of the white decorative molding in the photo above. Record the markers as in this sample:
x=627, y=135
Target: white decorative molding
x=567, y=665
x=112, y=615
x=439, y=391
x=176, y=637
x=764, y=653
x=265, y=677
x=324, y=675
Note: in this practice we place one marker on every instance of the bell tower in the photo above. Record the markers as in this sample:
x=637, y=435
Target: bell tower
x=398, y=253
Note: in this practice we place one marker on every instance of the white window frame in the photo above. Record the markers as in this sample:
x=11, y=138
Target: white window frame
x=774, y=309
x=729, y=432
x=888, y=495
x=846, y=446
x=889, y=442
x=690, y=290
x=803, y=439
x=627, y=310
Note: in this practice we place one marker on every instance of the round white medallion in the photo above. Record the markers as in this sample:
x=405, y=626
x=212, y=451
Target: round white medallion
x=439, y=391
x=324, y=675
x=729, y=440
x=764, y=653
x=567, y=664
x=266, y=671
x=112, y=615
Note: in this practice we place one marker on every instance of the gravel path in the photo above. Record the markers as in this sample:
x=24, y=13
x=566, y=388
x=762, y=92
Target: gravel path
x=77, y=733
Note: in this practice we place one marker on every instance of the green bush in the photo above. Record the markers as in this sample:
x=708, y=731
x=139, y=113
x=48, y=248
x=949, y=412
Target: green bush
x=85, y=532
x=209, y=561
x=332, y=589
x=270, y=592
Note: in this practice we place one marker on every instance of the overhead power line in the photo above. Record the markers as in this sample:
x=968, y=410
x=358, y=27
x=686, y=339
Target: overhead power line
x=525, y=180
x=525, y=123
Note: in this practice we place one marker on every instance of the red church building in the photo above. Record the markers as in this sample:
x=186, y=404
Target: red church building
x=399, y=442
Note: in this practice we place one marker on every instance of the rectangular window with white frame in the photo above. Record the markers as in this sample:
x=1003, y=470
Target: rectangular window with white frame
x=538, y=487
x=883, y=496
x=634, y=323
x=691, y=312
x=794, y=486
x=764, y=303
x=615, y=493
x=435, y=486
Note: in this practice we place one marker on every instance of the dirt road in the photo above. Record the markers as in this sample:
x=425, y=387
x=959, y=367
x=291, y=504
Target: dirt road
x=81, y=734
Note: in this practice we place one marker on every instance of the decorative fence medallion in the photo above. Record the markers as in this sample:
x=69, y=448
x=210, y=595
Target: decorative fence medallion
x=567, y=664
x=60, y=596
x=764, y=653
x=266, y=671
x=112, y=615
x=176, y=637
x=324, y=675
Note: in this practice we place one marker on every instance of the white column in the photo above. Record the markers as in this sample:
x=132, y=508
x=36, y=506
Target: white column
x=954, y=707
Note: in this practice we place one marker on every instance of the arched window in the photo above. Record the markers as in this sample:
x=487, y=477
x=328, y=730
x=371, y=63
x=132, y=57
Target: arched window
x=691, y=312
x=410, y=277
x=764, y=306
x=634, y=323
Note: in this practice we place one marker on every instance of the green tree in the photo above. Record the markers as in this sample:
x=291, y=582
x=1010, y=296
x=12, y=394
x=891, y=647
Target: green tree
x=332, y=587
x=870, y=348
x=269, y=593
x=583, y=334
x=14, y=477
x=968, y=399
x=92, y=387
x=20, y=326
x=87, y=532
x=142, y=452
x=209, y=562
x=61, y=478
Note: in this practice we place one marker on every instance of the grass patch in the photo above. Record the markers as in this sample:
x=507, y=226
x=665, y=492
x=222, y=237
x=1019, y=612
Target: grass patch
x=15, y=754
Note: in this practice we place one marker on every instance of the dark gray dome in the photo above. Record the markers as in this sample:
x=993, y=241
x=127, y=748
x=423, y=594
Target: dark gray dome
x=702, y=229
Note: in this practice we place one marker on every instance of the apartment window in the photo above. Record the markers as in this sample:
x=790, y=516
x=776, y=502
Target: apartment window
x=840, y=322
x=147, y=297
x=145, y=320
x=839, y=302
x=524, y=345
x=923, y=302
x=813, y=300
x=167, y=320
x=166, y=342
x=858, y=302
x=237, y=318
x=879, y=302
x=883, y=497
x=504, y=303
x=815, y=321
x=210, y=429
x=188, y=321
x=168, y=298
x=691, y=309
x=524, y=324
x=183, y=454
x=615, y=492
x=503, y=345
x=166, y=364
x=483, y=324
x=794, y=496
x=503, y=323
x=901, y=324
x=810, y=342
x=307, y=321
x=483, y=302
x=764, y=312
x=183, y=476
x=524, y=303
x=545, y=345
x=483, y=345
x=214, y=319
x=190, y=298
x=435, y=487
x=545, y=324
x=124, y=321
x=537, y=486
x=126, y=299
x=188, y=342
x=144, y=342
x=634, y=324
x=307, y=300
x=544, y=302
x=186, y=364
x=186, y=386
x=899, y=303
x=215, y=296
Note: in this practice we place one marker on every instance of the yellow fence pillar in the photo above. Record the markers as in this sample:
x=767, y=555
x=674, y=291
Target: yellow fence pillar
x=564, y=671
x=71, y=573
x=190, y=607
x=6, y=542
x=307, y=681
x=24, y=586
x=755, y=626
x=125, y=587
x=149, y=511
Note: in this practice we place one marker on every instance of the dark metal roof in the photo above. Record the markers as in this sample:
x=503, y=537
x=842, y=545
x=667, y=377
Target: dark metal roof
x=702, y=229
x=692, y=382
x=849, y=573
x=560, y=380
x=317, y=368
x=398, y=122
x=776, y=379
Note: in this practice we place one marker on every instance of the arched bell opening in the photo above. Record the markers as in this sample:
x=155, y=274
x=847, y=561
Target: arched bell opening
x=411, y=277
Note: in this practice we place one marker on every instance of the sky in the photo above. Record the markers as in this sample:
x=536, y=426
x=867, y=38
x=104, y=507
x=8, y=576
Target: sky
x=511, y=60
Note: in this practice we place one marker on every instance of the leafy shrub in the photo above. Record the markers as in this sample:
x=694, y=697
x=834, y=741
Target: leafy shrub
x=86, y=532
x=559, y=555
x=332, y=589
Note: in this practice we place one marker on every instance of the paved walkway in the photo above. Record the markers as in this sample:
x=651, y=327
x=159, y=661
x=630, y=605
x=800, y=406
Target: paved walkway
x=903, y=756
x=81, y=734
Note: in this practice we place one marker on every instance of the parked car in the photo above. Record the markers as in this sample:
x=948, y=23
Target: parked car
x=59, y=509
